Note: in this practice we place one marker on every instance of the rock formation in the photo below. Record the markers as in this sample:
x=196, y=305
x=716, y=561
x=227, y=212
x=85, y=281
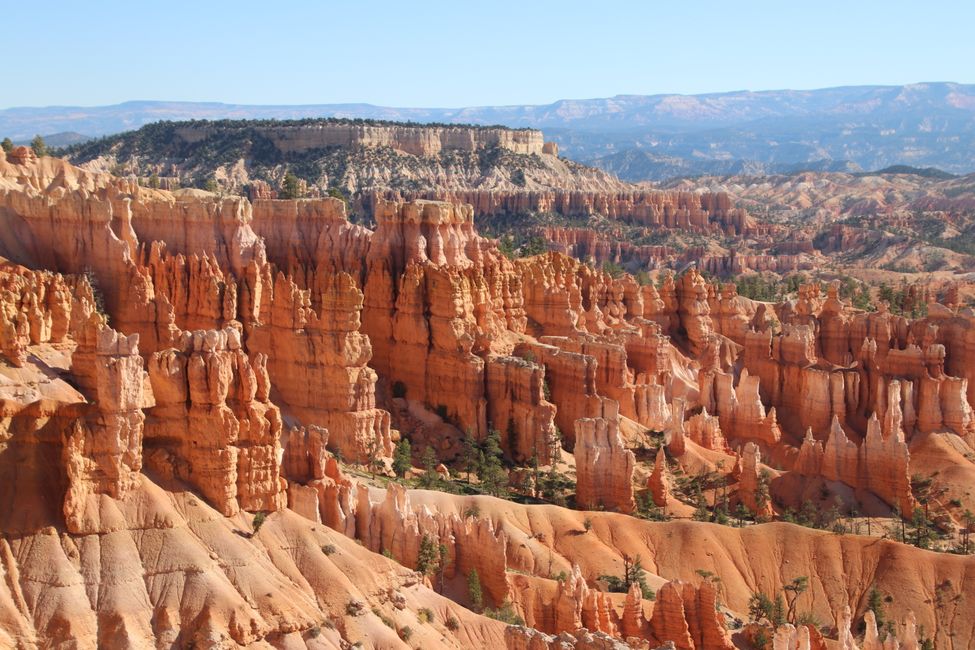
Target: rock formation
x=659, y=482
x=186, y=379
x=604, y=467
x=103, y=451
x=687, y=615
x=214, y=425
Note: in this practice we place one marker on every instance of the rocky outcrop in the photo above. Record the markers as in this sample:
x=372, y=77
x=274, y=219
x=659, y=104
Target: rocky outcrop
x=879, y=465
x=588, y=245
x=694, y=311
x=214, y=425
x=604, y=467
x=687, y=615
x=523, y=638
x=417, y=140
x=652, y=209
x=675, y=437
x=705, y=430
x=317, y=357
x=103, y=451
x=660, y=479
x=572, y=604
x=517, y=407
x=35, y=307
x=748, y=470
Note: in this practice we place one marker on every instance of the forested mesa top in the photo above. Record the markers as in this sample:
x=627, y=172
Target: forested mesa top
x=294, y=136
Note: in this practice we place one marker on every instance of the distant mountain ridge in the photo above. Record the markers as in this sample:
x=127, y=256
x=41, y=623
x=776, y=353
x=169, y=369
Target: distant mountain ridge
x=870, y=127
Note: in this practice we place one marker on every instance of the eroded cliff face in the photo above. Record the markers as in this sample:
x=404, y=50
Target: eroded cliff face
x=418, y=140
x=178, y=370
x=702, y=212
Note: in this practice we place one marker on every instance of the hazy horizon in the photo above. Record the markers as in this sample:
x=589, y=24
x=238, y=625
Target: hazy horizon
x=139, y=100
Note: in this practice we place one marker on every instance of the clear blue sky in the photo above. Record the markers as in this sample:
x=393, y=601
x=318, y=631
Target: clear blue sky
x=463, y=53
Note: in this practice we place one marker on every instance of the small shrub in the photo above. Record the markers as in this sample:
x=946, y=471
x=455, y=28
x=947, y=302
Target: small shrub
x=424, y=615
x=387, y=621
x=259, y=519
x=354, y=608
x=506, y=614
x=405, y=632
x=314, y=632
x=452, y=623
x=329, y=549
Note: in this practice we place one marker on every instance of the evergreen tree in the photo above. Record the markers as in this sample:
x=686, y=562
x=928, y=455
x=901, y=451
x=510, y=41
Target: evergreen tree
x=741, y=514
x=875, y=603
x=762, y=496
x=290, y=187
x=7, y=145
x=701, y=510
x=921, y=532
x=430, y=478
x=442, y=563
x=632, y=573
x=492, y=475
x=474, y=591
x=428, y=558
x=778, y=612
x=471, y=456
x=793, y=590
x=968, y=524
x=38, y=145
x=760, y=607
x=402, y=457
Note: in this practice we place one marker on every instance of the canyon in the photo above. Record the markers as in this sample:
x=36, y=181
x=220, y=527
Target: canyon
x=205, y=397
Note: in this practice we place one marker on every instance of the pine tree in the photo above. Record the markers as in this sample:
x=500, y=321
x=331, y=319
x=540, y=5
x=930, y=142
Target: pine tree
x=793, y=590
x=7, y=145
x=701, y=510
x=402, y=457
x=760, y=606
x=38, y=145
x=741, y=514
x=430, y=478
x=762, y=496
x=474, y=591
x=633, y=573
x=875, y=603
x=472, y=456
x=428, y=559
x=778, y=612
x=442, y=564
x=290, y=187
x=968, y=523
x=492, y=475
